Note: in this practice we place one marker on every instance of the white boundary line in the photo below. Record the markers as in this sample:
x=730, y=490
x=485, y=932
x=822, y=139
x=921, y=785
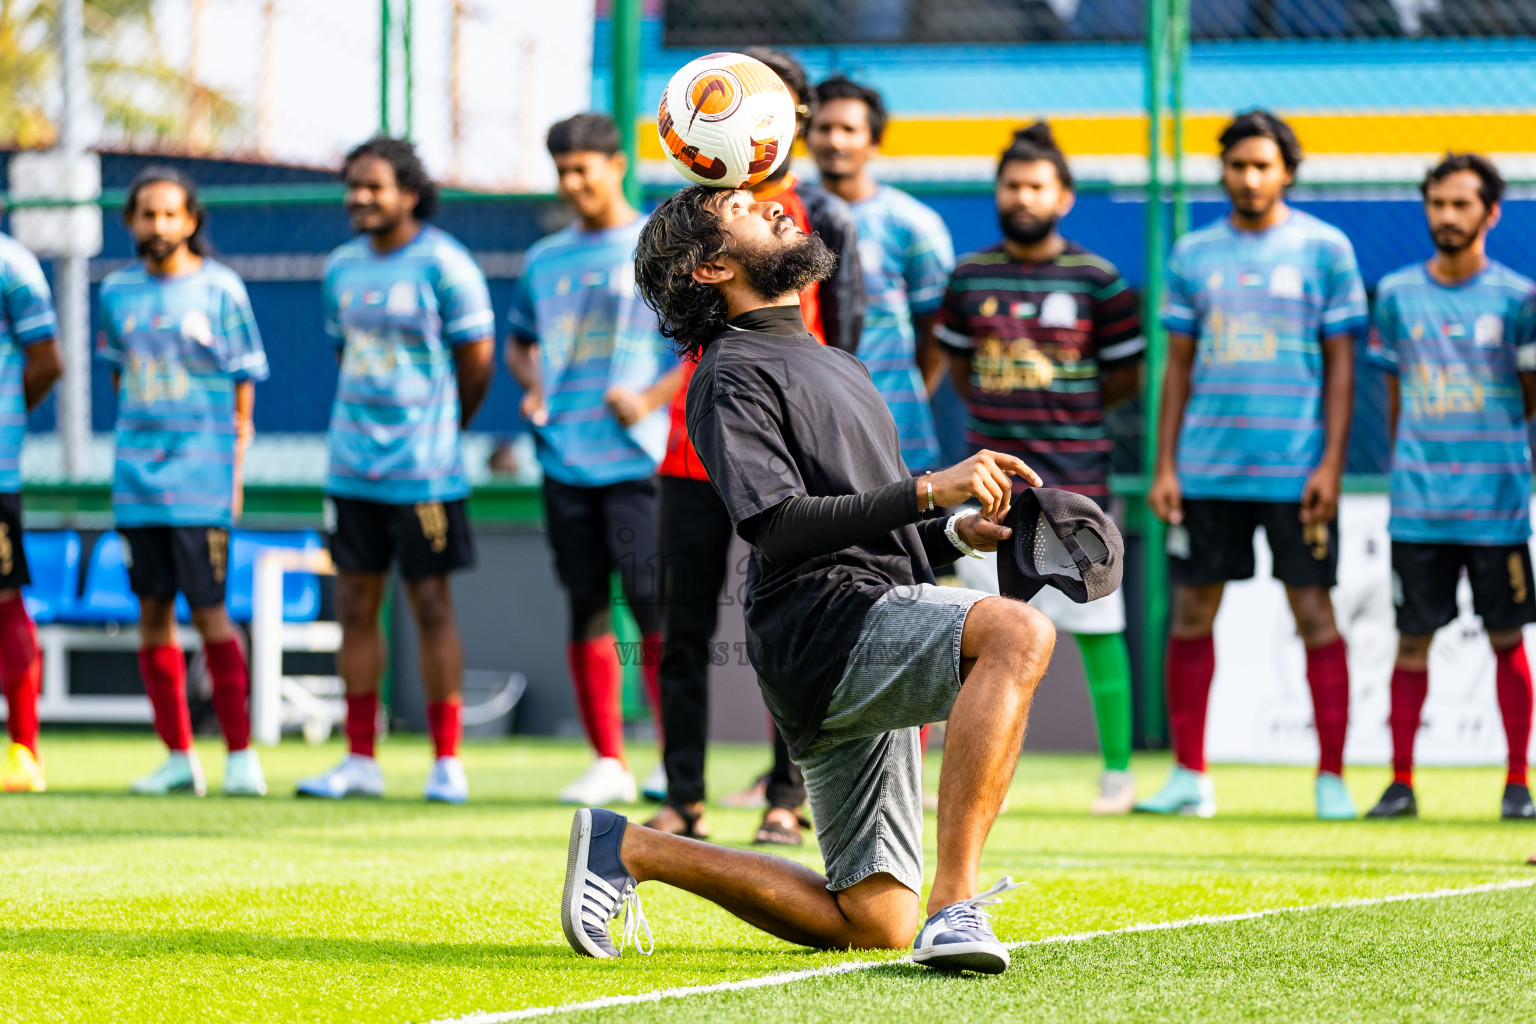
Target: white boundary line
x=848, y=967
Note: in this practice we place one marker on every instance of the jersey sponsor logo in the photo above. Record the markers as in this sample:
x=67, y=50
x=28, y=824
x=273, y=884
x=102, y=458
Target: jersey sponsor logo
x=1238, y=338
x=195, y=327
x=1488, y=330
x=1435, y=392
x=402, y=299
x=1021, y=310
x=1214, y=281
x=1016, y=365
x=1250, y=280
x=1285, y=282
x=148, y=380
x=1058, y=310
x=369, y=353
x=372, y=297
x=988, y=306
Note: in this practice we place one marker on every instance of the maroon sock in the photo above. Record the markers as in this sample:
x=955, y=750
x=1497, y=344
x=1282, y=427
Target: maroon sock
x=1410, y=686
x=650, y=672
x=1514, y=690
x=362, y=722
x=231, y=684
x=1328, y=677
x=443, y=724
x=1191, y=667
x=597, y=680
x=165, y=680
x=21, y=671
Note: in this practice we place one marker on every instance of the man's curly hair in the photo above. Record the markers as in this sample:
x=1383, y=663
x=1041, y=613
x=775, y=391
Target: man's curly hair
x=684, y=233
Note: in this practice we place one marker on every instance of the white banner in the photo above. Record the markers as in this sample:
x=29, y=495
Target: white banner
x=1261, y=709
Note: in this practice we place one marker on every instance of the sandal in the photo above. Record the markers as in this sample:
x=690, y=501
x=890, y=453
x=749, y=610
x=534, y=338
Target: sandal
x=692, y=827
x=772, y=833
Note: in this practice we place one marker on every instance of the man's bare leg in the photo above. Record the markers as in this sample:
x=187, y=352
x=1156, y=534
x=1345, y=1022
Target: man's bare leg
x=1005, y=649
x=775, y=894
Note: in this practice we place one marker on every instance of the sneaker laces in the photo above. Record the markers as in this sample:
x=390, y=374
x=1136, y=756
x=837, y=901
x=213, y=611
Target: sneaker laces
x=971, y=913
x=634, y=922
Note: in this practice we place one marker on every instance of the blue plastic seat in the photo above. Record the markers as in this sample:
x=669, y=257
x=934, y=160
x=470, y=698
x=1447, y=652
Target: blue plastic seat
x=301, y=590
x=106, y=597
x=53, y=559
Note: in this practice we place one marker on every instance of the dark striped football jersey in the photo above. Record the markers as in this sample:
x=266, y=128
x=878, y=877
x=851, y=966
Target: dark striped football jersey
x=1039, y=336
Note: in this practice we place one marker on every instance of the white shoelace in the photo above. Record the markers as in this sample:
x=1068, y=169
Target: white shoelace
x=971, y=913
x=634, y=922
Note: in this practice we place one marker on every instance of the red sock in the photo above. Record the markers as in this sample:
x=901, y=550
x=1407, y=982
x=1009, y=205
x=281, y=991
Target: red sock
x=443, y=724
x=231, y=684
x=597, y=680
x=21, y=671
x=650, y=671
x=362, y=722
x=1514, y=689
x=1191, y=667
x=165, y=680
x=1409, y=689
x=1328, y=677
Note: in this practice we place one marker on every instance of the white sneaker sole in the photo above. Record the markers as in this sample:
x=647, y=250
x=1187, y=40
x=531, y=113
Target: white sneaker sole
x=981, y=957
x=570, y=901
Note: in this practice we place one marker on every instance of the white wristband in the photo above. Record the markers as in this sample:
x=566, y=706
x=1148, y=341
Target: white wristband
x=954, y=535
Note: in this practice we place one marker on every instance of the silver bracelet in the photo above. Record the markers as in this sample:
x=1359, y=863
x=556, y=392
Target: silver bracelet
x=929, y=481
x=954, y=535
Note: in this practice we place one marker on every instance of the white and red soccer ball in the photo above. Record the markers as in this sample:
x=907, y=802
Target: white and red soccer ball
x=726, y=120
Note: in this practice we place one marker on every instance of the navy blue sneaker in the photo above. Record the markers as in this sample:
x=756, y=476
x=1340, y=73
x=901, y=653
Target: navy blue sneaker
x=959, y=937
x=598, y=886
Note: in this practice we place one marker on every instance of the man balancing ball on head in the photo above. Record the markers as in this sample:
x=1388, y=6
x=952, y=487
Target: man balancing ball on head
x=854, y=645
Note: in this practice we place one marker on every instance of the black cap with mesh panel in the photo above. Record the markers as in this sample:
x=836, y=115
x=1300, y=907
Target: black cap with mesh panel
x=1062, y=539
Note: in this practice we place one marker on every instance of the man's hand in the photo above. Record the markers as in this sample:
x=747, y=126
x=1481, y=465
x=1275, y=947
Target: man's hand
x=628, y=406
x=982, y=533
x=1320, y=499
x=533, y=409
x=983, y=476
x=1166, y=498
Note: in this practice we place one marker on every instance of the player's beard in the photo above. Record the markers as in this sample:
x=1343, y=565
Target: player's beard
x=789, y=266
x=1453, y=241
x=158, y=249
x=1025, y=228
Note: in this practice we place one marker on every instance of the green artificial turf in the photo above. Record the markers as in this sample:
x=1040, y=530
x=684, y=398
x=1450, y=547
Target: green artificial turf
x=177, y=909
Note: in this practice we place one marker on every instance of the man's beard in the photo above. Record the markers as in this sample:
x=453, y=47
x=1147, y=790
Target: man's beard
x=1027, y=229
x=791, y=266
x=1453, y=242
x=157, y=249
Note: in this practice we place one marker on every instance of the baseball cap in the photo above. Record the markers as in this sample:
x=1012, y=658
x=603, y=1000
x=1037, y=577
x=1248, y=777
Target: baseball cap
x=1062, y=539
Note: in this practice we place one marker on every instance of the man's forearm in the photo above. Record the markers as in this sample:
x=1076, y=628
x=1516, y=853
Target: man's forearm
x=960, y=375
x=1338, y=399
x=523, y=364
x=801, y=528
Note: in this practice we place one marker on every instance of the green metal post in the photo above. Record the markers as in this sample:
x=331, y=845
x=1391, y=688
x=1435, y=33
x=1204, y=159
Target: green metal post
x=626, y=89
x=1155, y=575
x=384, y=33
x=1178, y=46
x=410, y=69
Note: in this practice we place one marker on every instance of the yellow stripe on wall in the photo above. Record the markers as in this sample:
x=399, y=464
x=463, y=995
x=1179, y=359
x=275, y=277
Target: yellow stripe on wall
x=1126, y=135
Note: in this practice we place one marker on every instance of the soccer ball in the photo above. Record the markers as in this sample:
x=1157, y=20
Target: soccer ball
x=726, y=120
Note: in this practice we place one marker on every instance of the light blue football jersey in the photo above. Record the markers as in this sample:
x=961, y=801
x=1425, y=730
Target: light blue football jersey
x=180, y=345
x=577, y=301
x=26, y=318
x=1461, y=464
x=397, y=317
x=907, y=254
x=1259, y=306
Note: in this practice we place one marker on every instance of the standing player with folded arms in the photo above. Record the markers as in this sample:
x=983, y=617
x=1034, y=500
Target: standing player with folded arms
x=411, y=317
x=1262, y=313
x=29, y=366
x=1453, y=335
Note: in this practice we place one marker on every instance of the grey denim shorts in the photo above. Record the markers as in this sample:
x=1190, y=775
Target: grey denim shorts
x=864, y=769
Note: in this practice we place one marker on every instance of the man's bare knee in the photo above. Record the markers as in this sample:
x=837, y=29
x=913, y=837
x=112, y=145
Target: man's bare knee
x=881, y=913
x=1004, y=628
